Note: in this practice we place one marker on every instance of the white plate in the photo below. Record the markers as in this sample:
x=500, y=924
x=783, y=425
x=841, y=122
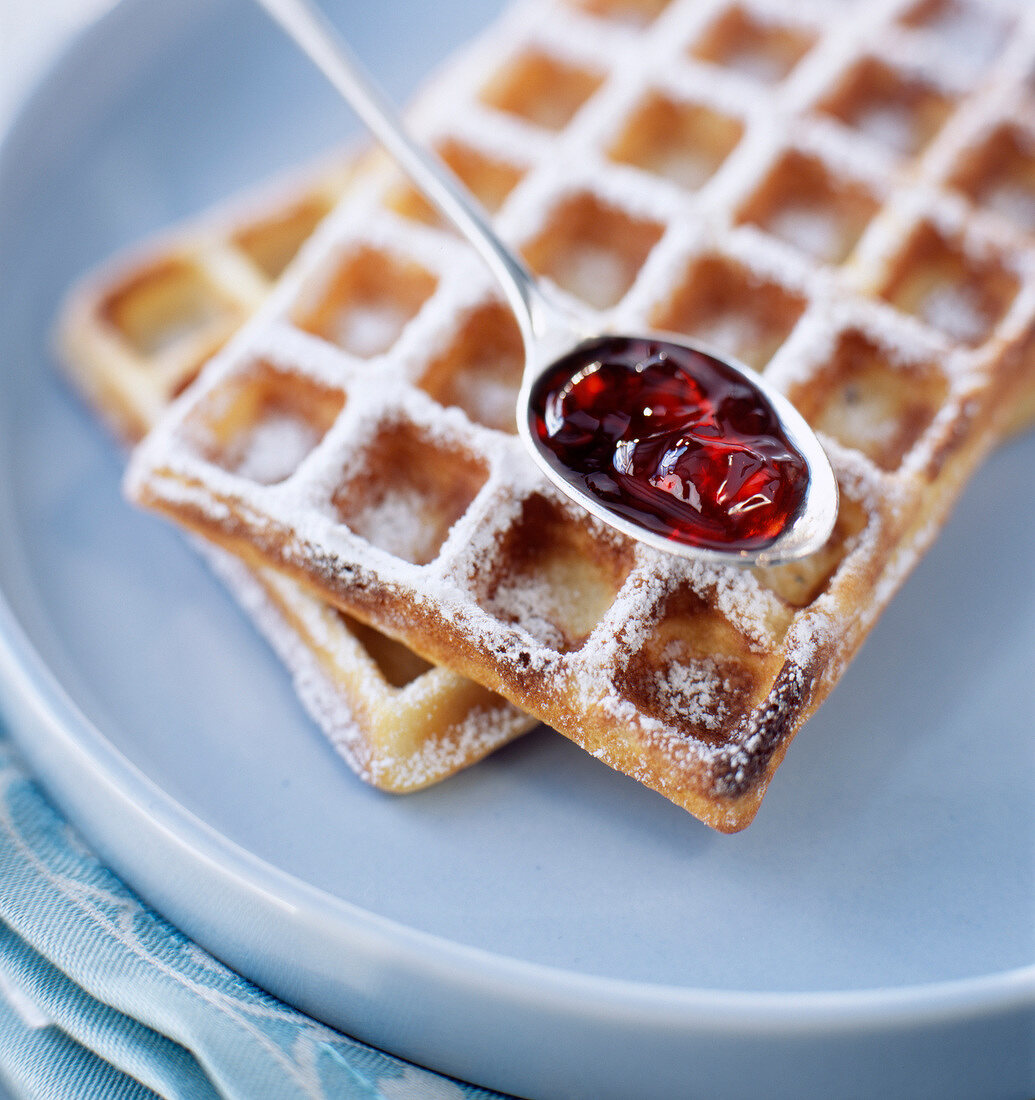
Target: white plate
x=539, y=924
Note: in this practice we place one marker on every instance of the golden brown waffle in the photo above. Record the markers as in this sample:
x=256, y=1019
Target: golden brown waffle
x=133, y=336
x=806, y=186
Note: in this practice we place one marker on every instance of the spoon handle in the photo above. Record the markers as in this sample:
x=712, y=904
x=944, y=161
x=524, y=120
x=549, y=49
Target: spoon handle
x=318, y=38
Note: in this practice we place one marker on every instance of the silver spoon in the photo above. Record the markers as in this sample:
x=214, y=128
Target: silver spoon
x=554, y=335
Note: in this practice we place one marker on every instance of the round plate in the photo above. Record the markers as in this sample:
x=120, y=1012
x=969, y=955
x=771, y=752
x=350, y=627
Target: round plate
x=538, y=924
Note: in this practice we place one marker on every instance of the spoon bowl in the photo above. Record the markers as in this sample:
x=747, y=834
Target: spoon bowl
x=668, y=476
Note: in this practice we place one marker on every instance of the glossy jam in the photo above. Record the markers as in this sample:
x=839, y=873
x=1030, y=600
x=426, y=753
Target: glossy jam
x=671, y=439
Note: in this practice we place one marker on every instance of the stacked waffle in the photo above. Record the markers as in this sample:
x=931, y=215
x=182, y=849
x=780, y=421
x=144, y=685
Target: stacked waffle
x=133, y=336
x=840, y=195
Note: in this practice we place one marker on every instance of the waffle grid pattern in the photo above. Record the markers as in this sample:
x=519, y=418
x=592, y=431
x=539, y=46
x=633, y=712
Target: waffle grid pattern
x=132, y=336
x=795, y=189
x=136, y=332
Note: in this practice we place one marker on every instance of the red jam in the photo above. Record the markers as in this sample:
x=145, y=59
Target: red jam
x=671, y=439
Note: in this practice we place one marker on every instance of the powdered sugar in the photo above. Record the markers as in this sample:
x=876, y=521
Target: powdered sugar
x=955, y=310
x=1014, y=201
x=273, y=449
x=369, y=330
x=696, y=690
x=816, y=232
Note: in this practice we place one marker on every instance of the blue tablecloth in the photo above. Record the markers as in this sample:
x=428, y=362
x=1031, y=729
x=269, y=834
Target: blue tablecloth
x=101, y=997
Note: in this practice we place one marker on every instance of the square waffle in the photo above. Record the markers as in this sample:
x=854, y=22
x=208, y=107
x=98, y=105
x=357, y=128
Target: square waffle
x=132, y=336
x=801, y=186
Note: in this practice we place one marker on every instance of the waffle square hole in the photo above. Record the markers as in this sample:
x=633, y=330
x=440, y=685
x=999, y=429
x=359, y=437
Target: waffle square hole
x=636, y=13
x=762, y=49
x=799, y=583
x=169, y=305
x=804, y=204
x=398, y=664
x=264, y=422
x=271, y=244
x=900, y=112
x=723, y=304
x=369, y=301
x=489, y=179
x=480, y=372
x=541, y=89
x=592, y=250
x=683, y=142
x=865, y=399
x=556, y=580
x=695, y=669
x=408, y=492
x=973, y=32
x=962, y=295
x=1000, y=175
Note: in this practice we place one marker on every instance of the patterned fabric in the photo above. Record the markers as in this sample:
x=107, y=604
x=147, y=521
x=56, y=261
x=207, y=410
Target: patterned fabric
x=100, y=997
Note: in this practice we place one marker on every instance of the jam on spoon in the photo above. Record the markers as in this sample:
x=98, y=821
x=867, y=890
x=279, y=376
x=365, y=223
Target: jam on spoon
x=672, y=445
x=672, y=439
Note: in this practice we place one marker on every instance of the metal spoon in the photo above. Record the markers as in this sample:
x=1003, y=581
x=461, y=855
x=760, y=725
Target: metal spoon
x=549, y=329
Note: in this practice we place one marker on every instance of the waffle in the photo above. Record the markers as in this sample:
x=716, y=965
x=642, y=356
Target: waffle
x=134, y=335
x=813, y=188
